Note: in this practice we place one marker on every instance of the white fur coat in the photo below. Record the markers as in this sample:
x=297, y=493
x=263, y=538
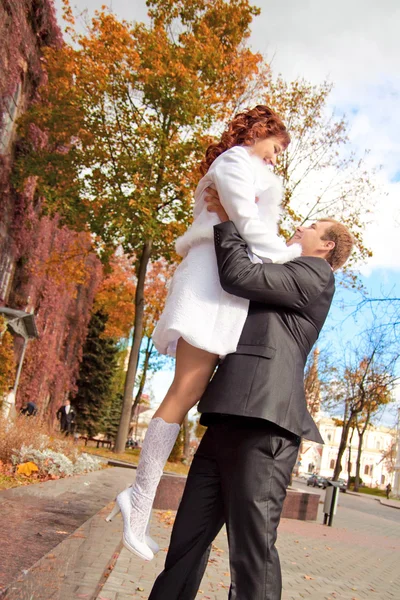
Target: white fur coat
x=197, y=308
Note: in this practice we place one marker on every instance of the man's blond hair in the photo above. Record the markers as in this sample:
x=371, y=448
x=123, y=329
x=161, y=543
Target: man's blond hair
x=344, y=243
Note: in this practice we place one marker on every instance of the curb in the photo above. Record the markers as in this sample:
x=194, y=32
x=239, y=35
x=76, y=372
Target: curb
x=389, y=504
x=120, y=463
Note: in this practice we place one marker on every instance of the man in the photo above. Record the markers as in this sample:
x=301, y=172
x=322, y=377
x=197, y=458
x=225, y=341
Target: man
x=30, y=409
x=66, y=416
x=256, y=414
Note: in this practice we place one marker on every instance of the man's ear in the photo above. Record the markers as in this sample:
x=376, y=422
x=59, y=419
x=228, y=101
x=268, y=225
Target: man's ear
x=329, y=245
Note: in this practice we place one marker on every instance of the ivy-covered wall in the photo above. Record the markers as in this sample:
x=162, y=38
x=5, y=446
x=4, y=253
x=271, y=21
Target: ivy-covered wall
x=44, y=267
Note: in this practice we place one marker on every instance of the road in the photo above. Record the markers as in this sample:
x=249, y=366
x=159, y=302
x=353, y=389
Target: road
x=368, y=505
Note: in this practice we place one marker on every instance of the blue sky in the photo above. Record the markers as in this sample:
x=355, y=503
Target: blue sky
x=356, y=46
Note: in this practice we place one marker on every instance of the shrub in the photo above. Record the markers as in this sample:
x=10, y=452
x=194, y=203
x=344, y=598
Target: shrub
x=23, y=430
x=27, y=439
x=55, y=463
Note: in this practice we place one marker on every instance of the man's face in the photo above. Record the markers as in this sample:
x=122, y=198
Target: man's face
x=310, y=239
x=67, y=403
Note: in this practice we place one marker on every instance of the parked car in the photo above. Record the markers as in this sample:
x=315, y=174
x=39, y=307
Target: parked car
x=305, y=475
x=342, y=482
x=317, y=481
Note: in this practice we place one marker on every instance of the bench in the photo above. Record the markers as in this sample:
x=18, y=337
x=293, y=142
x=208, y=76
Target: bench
x=103, y=443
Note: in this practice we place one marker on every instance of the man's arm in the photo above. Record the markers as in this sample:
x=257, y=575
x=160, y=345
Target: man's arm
x=294, y=284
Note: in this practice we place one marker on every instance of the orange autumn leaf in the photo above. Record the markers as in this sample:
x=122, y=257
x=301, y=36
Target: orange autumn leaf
x=27, y=468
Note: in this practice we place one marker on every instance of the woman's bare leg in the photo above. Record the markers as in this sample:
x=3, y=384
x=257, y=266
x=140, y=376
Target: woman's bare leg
x=193, y=371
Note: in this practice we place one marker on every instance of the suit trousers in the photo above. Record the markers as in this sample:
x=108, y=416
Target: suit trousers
x=239, y=477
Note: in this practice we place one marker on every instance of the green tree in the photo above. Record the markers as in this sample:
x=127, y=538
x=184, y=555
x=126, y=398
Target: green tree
x=112, y=415
x=95, y=401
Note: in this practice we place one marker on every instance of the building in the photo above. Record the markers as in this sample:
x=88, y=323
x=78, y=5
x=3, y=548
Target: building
x=376, y=464
x=377, y=458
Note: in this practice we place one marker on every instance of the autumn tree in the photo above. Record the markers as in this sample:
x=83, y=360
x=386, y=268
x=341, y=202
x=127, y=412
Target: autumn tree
x=127, y=111
x=158, y=278
x=362, y=384
x=115, y=297
x=379, y=393
x=321, y=176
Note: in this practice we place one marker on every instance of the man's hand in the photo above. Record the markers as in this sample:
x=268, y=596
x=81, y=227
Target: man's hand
x=214, y=205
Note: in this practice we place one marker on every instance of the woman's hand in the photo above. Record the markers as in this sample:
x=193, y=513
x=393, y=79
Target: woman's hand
x=214, y=205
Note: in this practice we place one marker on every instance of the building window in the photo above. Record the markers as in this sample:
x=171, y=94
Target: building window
x=366, y=470
x=350, y=467
x=378, y=444
x=332, y=464
x=382, y=479
x=329, y=437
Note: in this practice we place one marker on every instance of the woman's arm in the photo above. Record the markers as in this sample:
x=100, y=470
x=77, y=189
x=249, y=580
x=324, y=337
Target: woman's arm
x=233, y=178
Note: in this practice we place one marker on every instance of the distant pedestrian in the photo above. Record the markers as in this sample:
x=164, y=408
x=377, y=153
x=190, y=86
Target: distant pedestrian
x=388, y=490
x=66, y=415
x=30, y=409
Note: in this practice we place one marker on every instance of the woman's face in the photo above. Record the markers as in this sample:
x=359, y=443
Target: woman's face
x=267, y=149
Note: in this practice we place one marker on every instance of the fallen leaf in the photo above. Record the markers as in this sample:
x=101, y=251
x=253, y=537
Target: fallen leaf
x=27, y=468
x=308, y=577
x=140, y=589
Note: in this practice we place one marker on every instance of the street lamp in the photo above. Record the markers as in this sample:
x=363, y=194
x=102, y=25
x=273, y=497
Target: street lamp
x=23, y=324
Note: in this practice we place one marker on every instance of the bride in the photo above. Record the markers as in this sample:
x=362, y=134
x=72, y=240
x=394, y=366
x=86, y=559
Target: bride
x=201, y=322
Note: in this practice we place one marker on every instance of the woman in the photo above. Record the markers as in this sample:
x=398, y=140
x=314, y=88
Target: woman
x=200, y=321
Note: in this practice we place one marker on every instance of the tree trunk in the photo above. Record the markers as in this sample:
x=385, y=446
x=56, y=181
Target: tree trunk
x=349, y=460
x=359, y=453
x=138, y=397
x=134, y=354
x=186, y=444
x=342, y=448
x=358, y=465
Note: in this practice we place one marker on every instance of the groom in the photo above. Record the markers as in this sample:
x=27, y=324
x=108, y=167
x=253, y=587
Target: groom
x=256, y=414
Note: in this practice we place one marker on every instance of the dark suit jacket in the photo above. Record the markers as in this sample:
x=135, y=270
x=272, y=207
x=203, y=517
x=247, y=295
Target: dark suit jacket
x=66, y=420
x=264, y=378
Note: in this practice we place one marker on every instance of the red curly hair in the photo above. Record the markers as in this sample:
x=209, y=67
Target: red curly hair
x=254, y=124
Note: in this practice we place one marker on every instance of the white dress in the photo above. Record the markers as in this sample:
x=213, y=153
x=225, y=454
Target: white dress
x=197, y=308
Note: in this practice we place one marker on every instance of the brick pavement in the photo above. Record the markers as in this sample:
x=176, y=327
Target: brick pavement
x=356, y=559
x=36, y=518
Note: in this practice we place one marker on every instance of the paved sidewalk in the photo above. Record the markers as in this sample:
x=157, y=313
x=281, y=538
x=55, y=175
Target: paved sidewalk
x=36, y=518
x=356, y=559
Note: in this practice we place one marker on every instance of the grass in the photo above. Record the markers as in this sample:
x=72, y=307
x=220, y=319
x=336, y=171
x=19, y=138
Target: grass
x=132, y=456
x=11, y=481
x=374, y=492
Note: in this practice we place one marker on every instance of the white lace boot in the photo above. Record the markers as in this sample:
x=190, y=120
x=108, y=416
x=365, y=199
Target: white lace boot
x=158, y=443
